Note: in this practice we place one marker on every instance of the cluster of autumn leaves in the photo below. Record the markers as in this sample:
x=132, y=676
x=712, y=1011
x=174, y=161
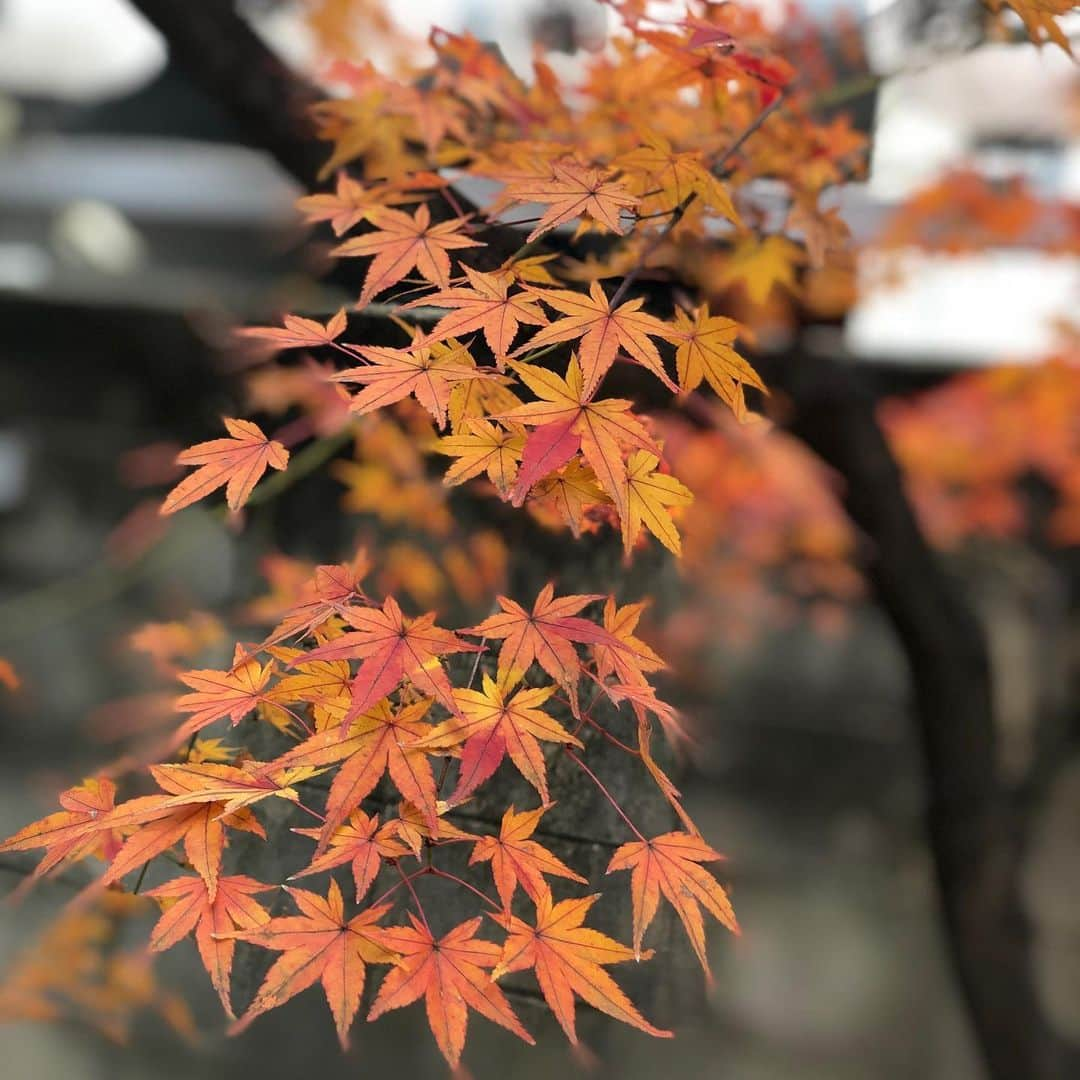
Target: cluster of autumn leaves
x=508, y=356
x=360, y=706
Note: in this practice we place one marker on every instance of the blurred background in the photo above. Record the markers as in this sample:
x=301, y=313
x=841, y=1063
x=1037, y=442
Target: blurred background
x=137, y=228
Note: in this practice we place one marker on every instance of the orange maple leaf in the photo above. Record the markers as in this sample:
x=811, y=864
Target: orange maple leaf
x=569, y=493
x=400, y=243
x=517, y=859
x=484, y=305
x=669, y=865
x=234, y=786
x=360, y=842
x=663, y=178
x=451, y=974
x=393, y=648
x=74, y=832
x=319, y=945
x=158, y=823
x=187, y=906
x=564, y=414
x=8, y=675
x=377, y=741
x=237, y=463
x=572, y=190
x=498, y=721
x=567, y=959
x=350, y=202
x=603, y=331
x=629, y=663
x=430, y=372
x=546, y=634
x=219, y=694
x=329, y=592
x=298, y=333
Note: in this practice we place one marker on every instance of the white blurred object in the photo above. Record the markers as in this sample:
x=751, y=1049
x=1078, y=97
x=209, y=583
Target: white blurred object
x=931, y=119
x=977, y=309
x=24, y=267
x=76, y=49
x=98, y=236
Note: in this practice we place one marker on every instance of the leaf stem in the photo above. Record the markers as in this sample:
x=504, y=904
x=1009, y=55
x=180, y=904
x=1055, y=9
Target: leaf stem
x=604, y=791
x=465, y=885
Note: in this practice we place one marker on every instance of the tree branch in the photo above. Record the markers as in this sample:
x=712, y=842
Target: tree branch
x=220, y=52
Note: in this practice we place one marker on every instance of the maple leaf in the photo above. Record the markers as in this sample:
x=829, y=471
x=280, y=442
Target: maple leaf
x=298, y=333
x=643, y=700
x=649, y=495
x=1040, y=18
x=565, y=412
x=329, y=592
x=8, y=675
x=377, y=741
x=400, y=243
x=219, y=694
x=361, y=842
x=495, y=722
x=664, y=178
x=159, y=823
x=318, y=945
x=237, y=463
x=629, y=663
x=484, y=305
x=325, y=684
x=235, y=787
x=350, y=201
x=570, y=492
x=187, y=906
x=567, y=959
x=393, y=648
x=546, y=634
x=571, y=191
x=668, y=865
x=482, y=447
x=759, y=265
x=412, y=827
x=430, y=372
x=703, y=351
x=517, y=859
x=451, y=974
x=74, y=832
x=602, y=330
